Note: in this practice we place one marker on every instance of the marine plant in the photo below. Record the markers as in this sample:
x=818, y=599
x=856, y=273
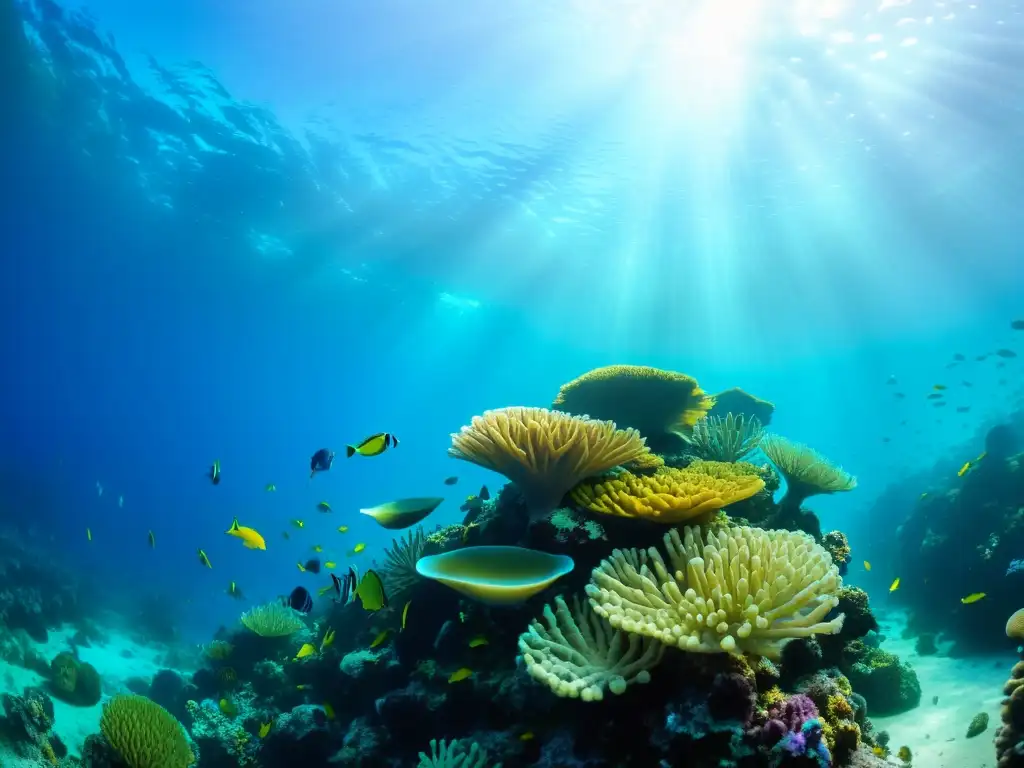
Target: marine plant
x=399, y=569
x=743, y=590
x=451, y=756
x=725, y=438
x=144, y=734
x=671, y=495
x=806, y=471
x=545, y=453
x=578, y=655
x=272, y=620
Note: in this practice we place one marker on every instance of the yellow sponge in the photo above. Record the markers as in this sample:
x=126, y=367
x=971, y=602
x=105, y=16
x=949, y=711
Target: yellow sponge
x=145, y=734
x=578, y=655
x=743, y=590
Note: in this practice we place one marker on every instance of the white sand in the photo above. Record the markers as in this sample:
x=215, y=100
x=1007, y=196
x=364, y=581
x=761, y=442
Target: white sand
x=936, y=733
x=116, y=661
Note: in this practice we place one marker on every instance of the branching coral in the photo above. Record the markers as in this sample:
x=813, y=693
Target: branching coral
x=807, y=472
x=727, y=438
x=744, y=590
x=272, y=620
x=655, y=402
x=399, y=569
x=144, y=734
x=451, y=756
x=671, y=495
x=545, y=453
x=576, y=654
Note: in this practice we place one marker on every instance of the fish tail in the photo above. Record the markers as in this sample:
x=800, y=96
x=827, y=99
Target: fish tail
x=349, y=451
x=394, y=441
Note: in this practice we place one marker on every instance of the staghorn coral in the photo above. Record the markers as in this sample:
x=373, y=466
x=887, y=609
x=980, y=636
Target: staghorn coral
x=727, y=438
x=742, y=403
x=576, y=654
x=144, y=734
x=743, y=591
x=451, y=756
x=807, y=472
x=272, y=620
x=399, y=569
x=545, y=453
x=671, y=495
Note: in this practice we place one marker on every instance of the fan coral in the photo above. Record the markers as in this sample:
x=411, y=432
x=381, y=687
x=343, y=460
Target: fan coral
x=742, y=403
x=451, y=756
x=272, y=620
x=657, y=403
x=744, y=590
x=144, y=734
x=671, y=495
x=578, y=655
x=807, y=472
x=545, y=453
x=399, y=569
x=727, y=438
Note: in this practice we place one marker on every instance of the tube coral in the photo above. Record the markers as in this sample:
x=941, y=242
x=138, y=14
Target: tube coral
x=743, y=591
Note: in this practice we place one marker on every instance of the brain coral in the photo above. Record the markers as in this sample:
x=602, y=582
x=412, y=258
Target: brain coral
x=145, y=734
x=545, y=453
x=743, y=590
x=671, y=495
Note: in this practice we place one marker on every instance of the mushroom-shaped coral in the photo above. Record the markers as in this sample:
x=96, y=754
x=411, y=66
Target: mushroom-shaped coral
x=576, y=654
x=660, y=404
x=144, y=734
x=272, y=620
x=671, y=495
x=742, y=591
x=545, y=453
x=807, y=472
x=740, y=403
x=725, y=438
x=496, y=575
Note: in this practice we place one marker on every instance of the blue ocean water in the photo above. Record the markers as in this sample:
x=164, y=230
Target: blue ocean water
x=243, y=231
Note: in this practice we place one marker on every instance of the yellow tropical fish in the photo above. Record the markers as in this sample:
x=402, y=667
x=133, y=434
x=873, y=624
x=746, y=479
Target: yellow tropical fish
x=301, y=567
x=235, y=592
x=923, y=495
x=330, y=565
x=88, y=533
x=324, y=590
x=250, y=538
x=307, y=649
x=963, y=469
x=528, y=736
x=972, y=598
x=342, y=529
x=317, y=548
x=867, y=566
x=152, y=540
x=298, y=524
x=405, y=613
x=904, y=754
x=895, y=585
x=460, y=674
x=327, y=641
x=303, y=687
x=374, y=445
x=981, y=456
x=204, y=559
x=227, y=707
x=323, y=506
x=271, y=487
x=380, y=638
x=938, y=387
x=477, y=641
x=358, y=548
x=265, y=729
x=329, y=711
x=370, y=591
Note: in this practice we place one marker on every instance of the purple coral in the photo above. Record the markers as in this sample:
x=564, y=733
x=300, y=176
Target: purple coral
x=788, y=718
x=806, y=742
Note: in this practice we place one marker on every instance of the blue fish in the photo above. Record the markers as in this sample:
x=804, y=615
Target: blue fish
x=321, y=461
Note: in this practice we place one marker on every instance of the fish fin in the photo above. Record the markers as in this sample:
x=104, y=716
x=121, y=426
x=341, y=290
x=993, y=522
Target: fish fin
x=234, y=525
x=394, y=441
x=349, y=451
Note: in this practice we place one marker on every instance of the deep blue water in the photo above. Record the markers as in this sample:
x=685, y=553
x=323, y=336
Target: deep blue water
x=246, y=231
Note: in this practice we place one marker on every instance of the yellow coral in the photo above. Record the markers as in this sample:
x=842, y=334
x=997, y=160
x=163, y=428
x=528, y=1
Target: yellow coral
x=272, y=620
x=838, y=708
x=144, y=734
x=671, y=495
x=807, y=472
x=47, y=751
x=771, y=698
x=651, y=400
x=545, y=453
x=743, y=590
